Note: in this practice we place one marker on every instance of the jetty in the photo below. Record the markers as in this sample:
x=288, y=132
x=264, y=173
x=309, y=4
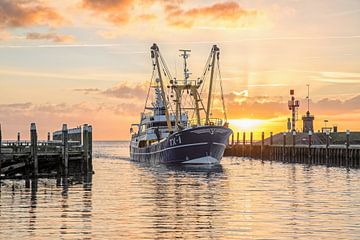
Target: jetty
x=69, y=152
x=333, y=149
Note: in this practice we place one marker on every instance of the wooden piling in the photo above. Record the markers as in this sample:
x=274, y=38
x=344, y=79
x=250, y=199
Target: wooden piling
x=90, y=148
x=48, y=137
x=18, y=138
x=0, y=155
x=262, y=145
x=271, y=149
x=237, y=138
x=65, y=151
x=232, y=139
x=293, y=147
x=243, y=145
x=251, y=143
x=309, y=147
x=327, y=148
x=85, y=164
x=347, y=148
x=284, y=146
x=33, y=147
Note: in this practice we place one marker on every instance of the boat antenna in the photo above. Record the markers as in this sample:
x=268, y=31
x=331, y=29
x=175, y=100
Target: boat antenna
x=185, y=55
x=155, y=54
x=215, y=51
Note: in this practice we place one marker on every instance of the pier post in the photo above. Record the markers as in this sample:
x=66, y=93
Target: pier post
x=0, y=154
x=18, y=138
x=251, y=143
x=90, y=148
x=327, y=148
x=85, y=163
x=237, y=138
x=347, y=147
x=262, y=145
x=243, y=145
x=232, y=139
x=65, y=152
x=309, y=147
x=271, y=148
x=284, y=146
x=48, y=137
x=293, y=146
x=33, y=148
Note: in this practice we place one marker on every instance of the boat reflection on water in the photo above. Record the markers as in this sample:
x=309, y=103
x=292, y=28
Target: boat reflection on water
x=181, y=168
x=184, y=201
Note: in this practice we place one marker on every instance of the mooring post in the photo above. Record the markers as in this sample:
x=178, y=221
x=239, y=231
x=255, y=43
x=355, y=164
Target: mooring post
x=237, y=138
x=85, y=163
x=309, y=147
x=48, y=138
x=347, y=147
x=262, y=144
x=293, y=147
x=327, y=148
x=271, y=143
x=0, y=153
x=18, y=138
x=232, y=139
x=284, y=146
x=33, y=148
x=90, y=148
x=65, y=152
x=243, y=145
x=251, y=143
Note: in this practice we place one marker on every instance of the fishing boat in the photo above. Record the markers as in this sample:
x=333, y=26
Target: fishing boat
x=177, y=127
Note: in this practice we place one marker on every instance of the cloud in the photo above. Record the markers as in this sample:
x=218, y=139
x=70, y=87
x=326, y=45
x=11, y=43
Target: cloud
x=115, y=11
x=126, y=91
x=4, y=35
x=87, y=90
x=239, y=105
x=121, y=91
x=223, y=14
x=338, y=77
x=54, y=37
x=15, y=106
x=23, y=13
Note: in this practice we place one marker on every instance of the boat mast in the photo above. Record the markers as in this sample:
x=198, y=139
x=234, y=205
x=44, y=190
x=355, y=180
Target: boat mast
x=155, y=55
x=185, y=55
x=214, y=52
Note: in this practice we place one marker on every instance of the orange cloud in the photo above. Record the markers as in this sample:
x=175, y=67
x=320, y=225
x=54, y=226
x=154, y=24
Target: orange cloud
x=226, y=14
x=19, y=13
x=265, y=107
x=49, y=36
x=116, y=11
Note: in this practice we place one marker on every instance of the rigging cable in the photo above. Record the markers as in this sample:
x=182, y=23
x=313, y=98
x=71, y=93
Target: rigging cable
x=222, y=92
x=148, y=93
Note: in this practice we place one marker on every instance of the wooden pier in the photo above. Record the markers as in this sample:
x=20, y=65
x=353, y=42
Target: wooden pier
x=68, y=153
x=294, y=148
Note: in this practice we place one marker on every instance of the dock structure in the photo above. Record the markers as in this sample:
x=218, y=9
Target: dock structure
x=330, y=149
x=68, y=153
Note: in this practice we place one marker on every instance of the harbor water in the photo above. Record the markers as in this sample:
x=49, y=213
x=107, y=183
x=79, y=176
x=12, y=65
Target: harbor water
x=240, y=199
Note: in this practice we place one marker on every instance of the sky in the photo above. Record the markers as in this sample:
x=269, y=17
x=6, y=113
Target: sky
x=88, y=61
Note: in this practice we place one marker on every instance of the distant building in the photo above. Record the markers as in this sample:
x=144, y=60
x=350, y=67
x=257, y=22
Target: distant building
x=308, y=122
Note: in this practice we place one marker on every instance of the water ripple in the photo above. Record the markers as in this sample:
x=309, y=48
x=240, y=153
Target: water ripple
x=241, y=199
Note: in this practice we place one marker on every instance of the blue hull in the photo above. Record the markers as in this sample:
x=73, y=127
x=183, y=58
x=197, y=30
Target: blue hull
x=200, y=145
